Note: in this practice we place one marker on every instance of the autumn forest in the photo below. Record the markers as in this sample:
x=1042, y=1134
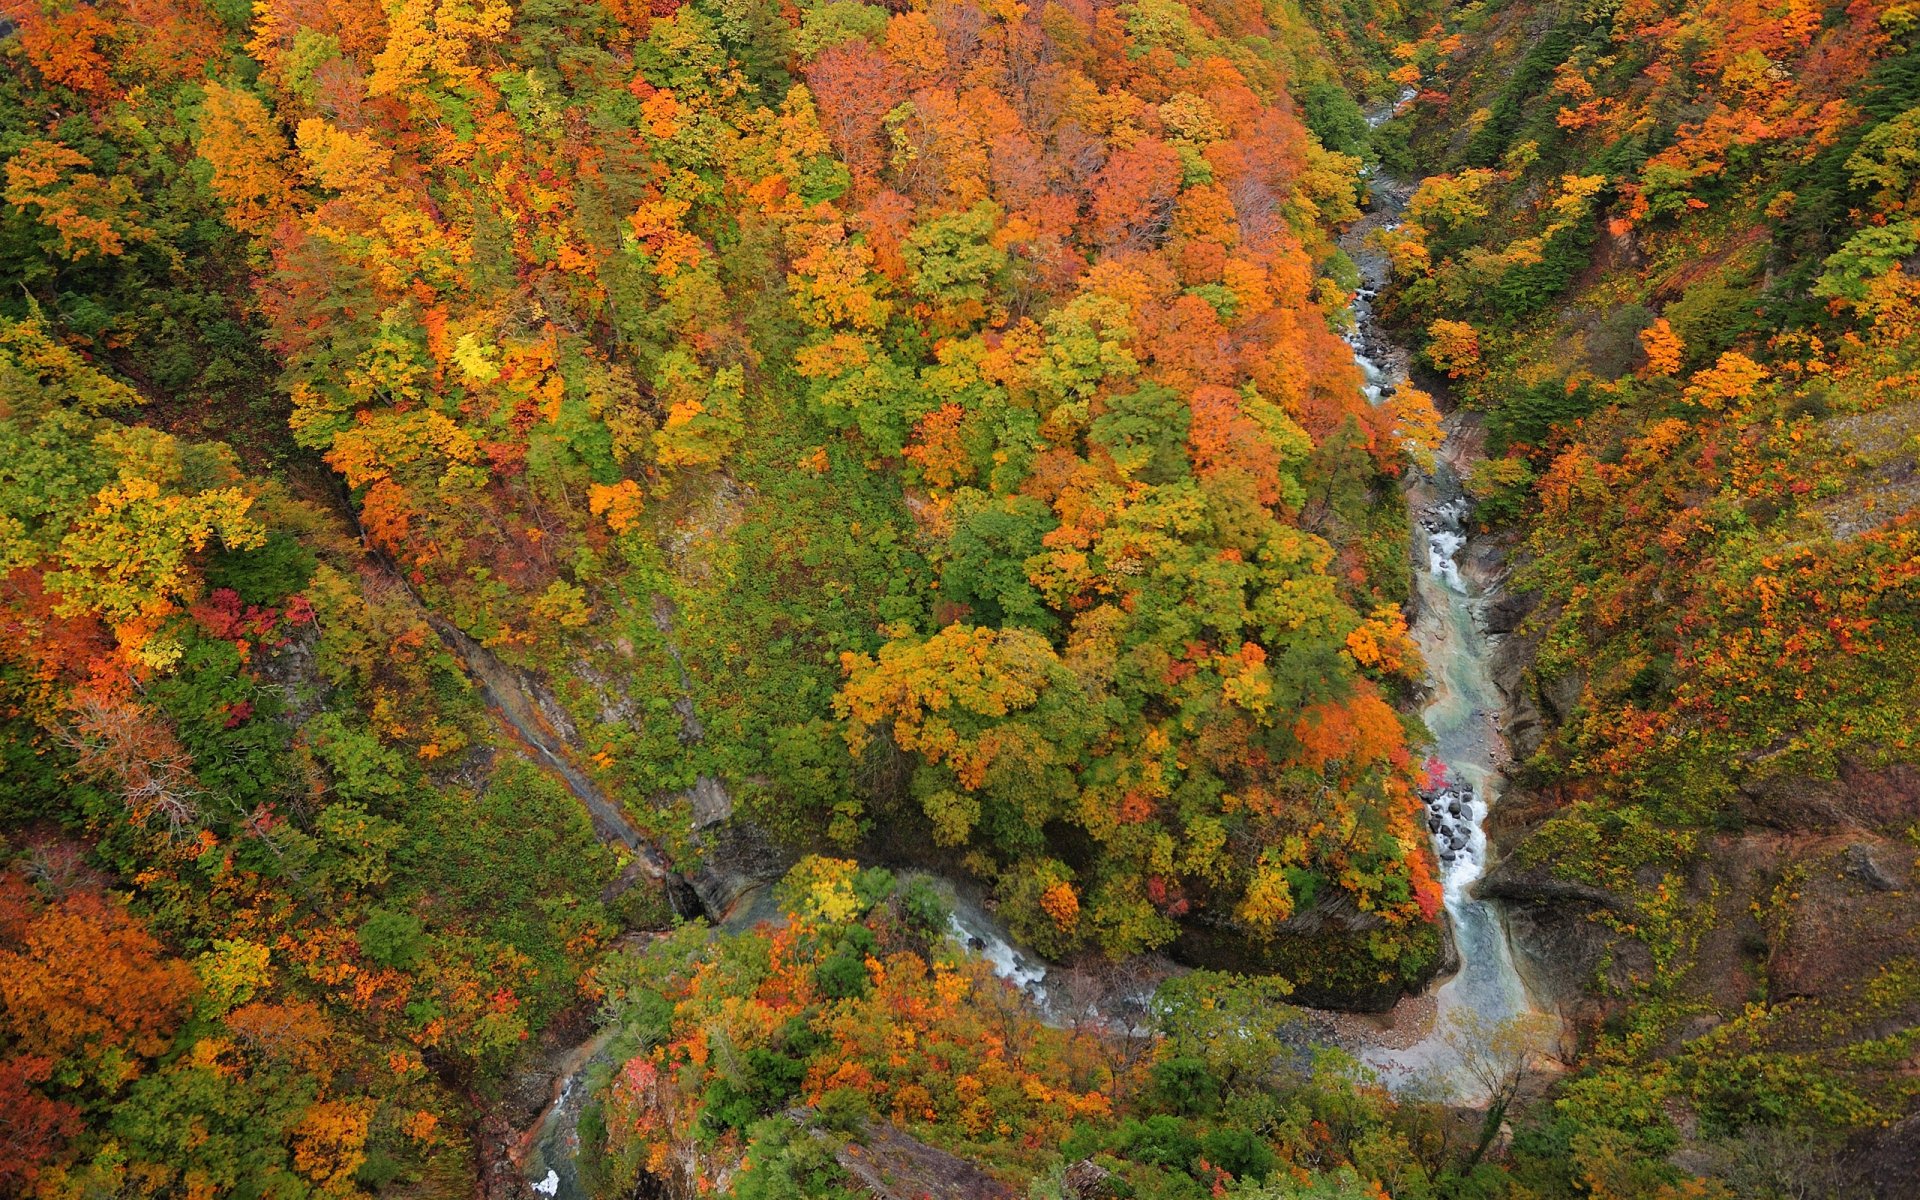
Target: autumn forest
x=960, y=599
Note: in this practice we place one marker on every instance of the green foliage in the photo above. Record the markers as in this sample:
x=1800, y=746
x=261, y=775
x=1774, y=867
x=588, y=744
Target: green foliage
x=267, y=575
x=986, y=560
x=823, y=26
x=393, y=939
x=1334, y=118
x=1517, y=108
x=1866, y=256
x=923, y=905
x=953, y=258
x=789, y=1162
x=1529, y=417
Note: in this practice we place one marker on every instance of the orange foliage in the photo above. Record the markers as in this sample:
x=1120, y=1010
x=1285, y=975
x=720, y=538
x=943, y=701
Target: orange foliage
x=80, y=978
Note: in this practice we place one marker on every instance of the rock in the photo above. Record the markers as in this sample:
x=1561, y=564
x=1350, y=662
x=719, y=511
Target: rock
x=894, y=1166
x=712, y=803
x=1322, y=951
x=1560, y=695
x=1516, y=886
x=1088, y=1180
x=1505, y=611
x=739, y=857
x=1858, y=862
x=1887, y=1161
x=1840, y=927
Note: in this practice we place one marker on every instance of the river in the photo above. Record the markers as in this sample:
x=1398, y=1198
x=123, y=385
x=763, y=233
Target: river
x=1485, y=1001
x=1464, y=711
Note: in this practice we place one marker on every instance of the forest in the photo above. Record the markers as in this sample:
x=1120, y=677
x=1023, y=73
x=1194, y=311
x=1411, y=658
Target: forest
x=679, y=598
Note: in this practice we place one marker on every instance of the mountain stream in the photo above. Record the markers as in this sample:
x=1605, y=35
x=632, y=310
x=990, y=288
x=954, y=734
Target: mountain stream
x=1464, y=712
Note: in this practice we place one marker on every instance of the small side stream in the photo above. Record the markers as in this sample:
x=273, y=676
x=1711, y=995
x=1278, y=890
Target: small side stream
x=545, y=1157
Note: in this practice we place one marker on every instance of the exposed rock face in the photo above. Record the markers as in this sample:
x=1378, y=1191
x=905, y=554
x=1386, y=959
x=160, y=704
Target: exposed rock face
x=1512, y=653
x=890, y=1165
x=1886, y=1165
x=737, y=856
x=1816, y=909
x=1858, y=797
x=1322, y=951
x=1558, y=948
x=1850, y=919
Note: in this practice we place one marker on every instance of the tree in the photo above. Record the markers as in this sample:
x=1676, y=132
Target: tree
x=855, y=86
x=82, y=980
x=252, y=166
x=953, y=258
x=94, y=217
x=1496, y=1058
x=1454, y=347
x=127, y=560
x=1665, y=351
x=133, y=751
x=33, y=1128
x=1416, y=422
x=1239, y=1026
x=1133, y=195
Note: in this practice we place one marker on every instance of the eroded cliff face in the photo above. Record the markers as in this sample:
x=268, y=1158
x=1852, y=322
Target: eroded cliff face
x=1707, y=842
x=1788, y=933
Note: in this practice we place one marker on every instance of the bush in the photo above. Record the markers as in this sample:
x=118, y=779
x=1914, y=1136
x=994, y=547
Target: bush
x=1239, y=1152
x=1160, y=1141
x=924, y=907
x=266, y=575
x=843, y=976
x=1185, y=1085
x=393, y=939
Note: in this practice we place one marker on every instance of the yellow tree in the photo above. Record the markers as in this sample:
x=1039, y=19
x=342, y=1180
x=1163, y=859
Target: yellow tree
x=127, y=559
x=252, y=168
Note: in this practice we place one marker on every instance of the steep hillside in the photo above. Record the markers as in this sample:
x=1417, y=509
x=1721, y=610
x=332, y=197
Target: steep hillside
x=1669, y=260
x=548, y=550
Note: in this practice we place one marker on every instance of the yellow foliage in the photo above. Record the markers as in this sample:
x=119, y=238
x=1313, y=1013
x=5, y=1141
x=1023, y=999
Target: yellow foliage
x=1381, y=643
x=1417, y=423
x=619, y=503
x=252, y=172
x=1454, y=347
x=821, y=889
x=1665, y=350
x=353, y=164
x=1269, y=897
x=329, y=1144
x=126, y=561
x=1728, y=382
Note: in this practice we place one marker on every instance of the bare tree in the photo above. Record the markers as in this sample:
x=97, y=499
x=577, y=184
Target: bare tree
x=1497, y=1056
x=1111, y=1002
x=118, y=744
